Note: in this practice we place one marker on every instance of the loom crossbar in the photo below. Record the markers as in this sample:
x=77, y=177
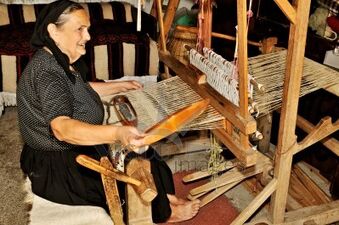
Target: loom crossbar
x=243, y=152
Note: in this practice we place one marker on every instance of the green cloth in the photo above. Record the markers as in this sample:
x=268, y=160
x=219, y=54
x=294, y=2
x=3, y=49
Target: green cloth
x=186, y=20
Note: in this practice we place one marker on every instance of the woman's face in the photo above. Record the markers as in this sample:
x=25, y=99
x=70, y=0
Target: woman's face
x=72, y=36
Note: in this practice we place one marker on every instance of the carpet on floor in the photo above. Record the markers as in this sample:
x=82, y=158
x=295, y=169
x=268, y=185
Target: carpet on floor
x=218, y=212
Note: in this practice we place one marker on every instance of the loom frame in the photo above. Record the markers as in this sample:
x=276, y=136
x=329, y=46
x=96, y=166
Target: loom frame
x=277, y=187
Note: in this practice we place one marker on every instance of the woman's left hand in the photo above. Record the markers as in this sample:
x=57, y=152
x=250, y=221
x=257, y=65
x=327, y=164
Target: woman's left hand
x=114, y=87
x=123, y=86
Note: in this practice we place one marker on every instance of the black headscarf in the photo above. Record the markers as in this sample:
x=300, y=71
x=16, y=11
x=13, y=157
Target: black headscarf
x=41, y=38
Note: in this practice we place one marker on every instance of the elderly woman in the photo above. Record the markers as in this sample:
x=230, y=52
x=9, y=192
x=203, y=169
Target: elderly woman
x=60, y=116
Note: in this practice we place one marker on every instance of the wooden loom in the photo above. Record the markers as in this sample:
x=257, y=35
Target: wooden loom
x=239, y=117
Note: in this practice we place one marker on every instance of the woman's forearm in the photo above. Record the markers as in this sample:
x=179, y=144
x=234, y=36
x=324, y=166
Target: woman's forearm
x=80, y=133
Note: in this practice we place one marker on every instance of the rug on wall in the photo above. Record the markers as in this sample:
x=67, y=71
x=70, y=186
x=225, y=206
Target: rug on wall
x=218, y=212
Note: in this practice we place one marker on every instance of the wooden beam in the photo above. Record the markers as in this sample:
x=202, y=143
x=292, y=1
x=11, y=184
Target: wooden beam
x=162, y=33
x=316, y=192
x=242, y=63
x=169, y=15
x=291, y=91
x=246, y=156
x=322, y=130
x=161, y=26
x=154, y=9
x=93, y=164
x=330, y=143
x=287, y=9
x=208, y=24
x=242, y=58
x=194, y=30
x=321, y=214
x=256, y=203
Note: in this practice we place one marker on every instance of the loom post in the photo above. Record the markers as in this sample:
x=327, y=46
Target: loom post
x=204, y=25
x=169, y=15
x=242, y=65
x=287, y=137
x=162, y=33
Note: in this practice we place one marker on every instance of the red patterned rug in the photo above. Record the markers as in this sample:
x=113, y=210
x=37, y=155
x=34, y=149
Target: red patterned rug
x=218, y=212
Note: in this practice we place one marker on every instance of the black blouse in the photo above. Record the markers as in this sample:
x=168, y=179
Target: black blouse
x=44, y=93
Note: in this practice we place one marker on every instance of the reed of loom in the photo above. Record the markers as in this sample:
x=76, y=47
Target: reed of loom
x=277, y=188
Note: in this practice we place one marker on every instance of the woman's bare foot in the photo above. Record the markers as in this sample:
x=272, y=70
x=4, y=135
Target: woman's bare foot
x=181, y=209
x=175, y=200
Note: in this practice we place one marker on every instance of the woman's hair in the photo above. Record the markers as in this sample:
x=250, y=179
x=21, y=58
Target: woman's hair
x=63, y=16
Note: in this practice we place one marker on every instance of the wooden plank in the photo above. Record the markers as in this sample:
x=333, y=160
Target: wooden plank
x=299, y=192
x=256, y=203
x=246, y=156
x=254, y=187
x=217, y=192
x=112, y=194
x=316, y=192
x=222, y=105
x=193, y=197
x=287, y=138
x=139, y=211
x=287, y=9
x=322, y=214
x=230, y=176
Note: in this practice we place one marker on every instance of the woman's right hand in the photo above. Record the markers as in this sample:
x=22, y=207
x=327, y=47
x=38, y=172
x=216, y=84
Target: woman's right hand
x=130, y=136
